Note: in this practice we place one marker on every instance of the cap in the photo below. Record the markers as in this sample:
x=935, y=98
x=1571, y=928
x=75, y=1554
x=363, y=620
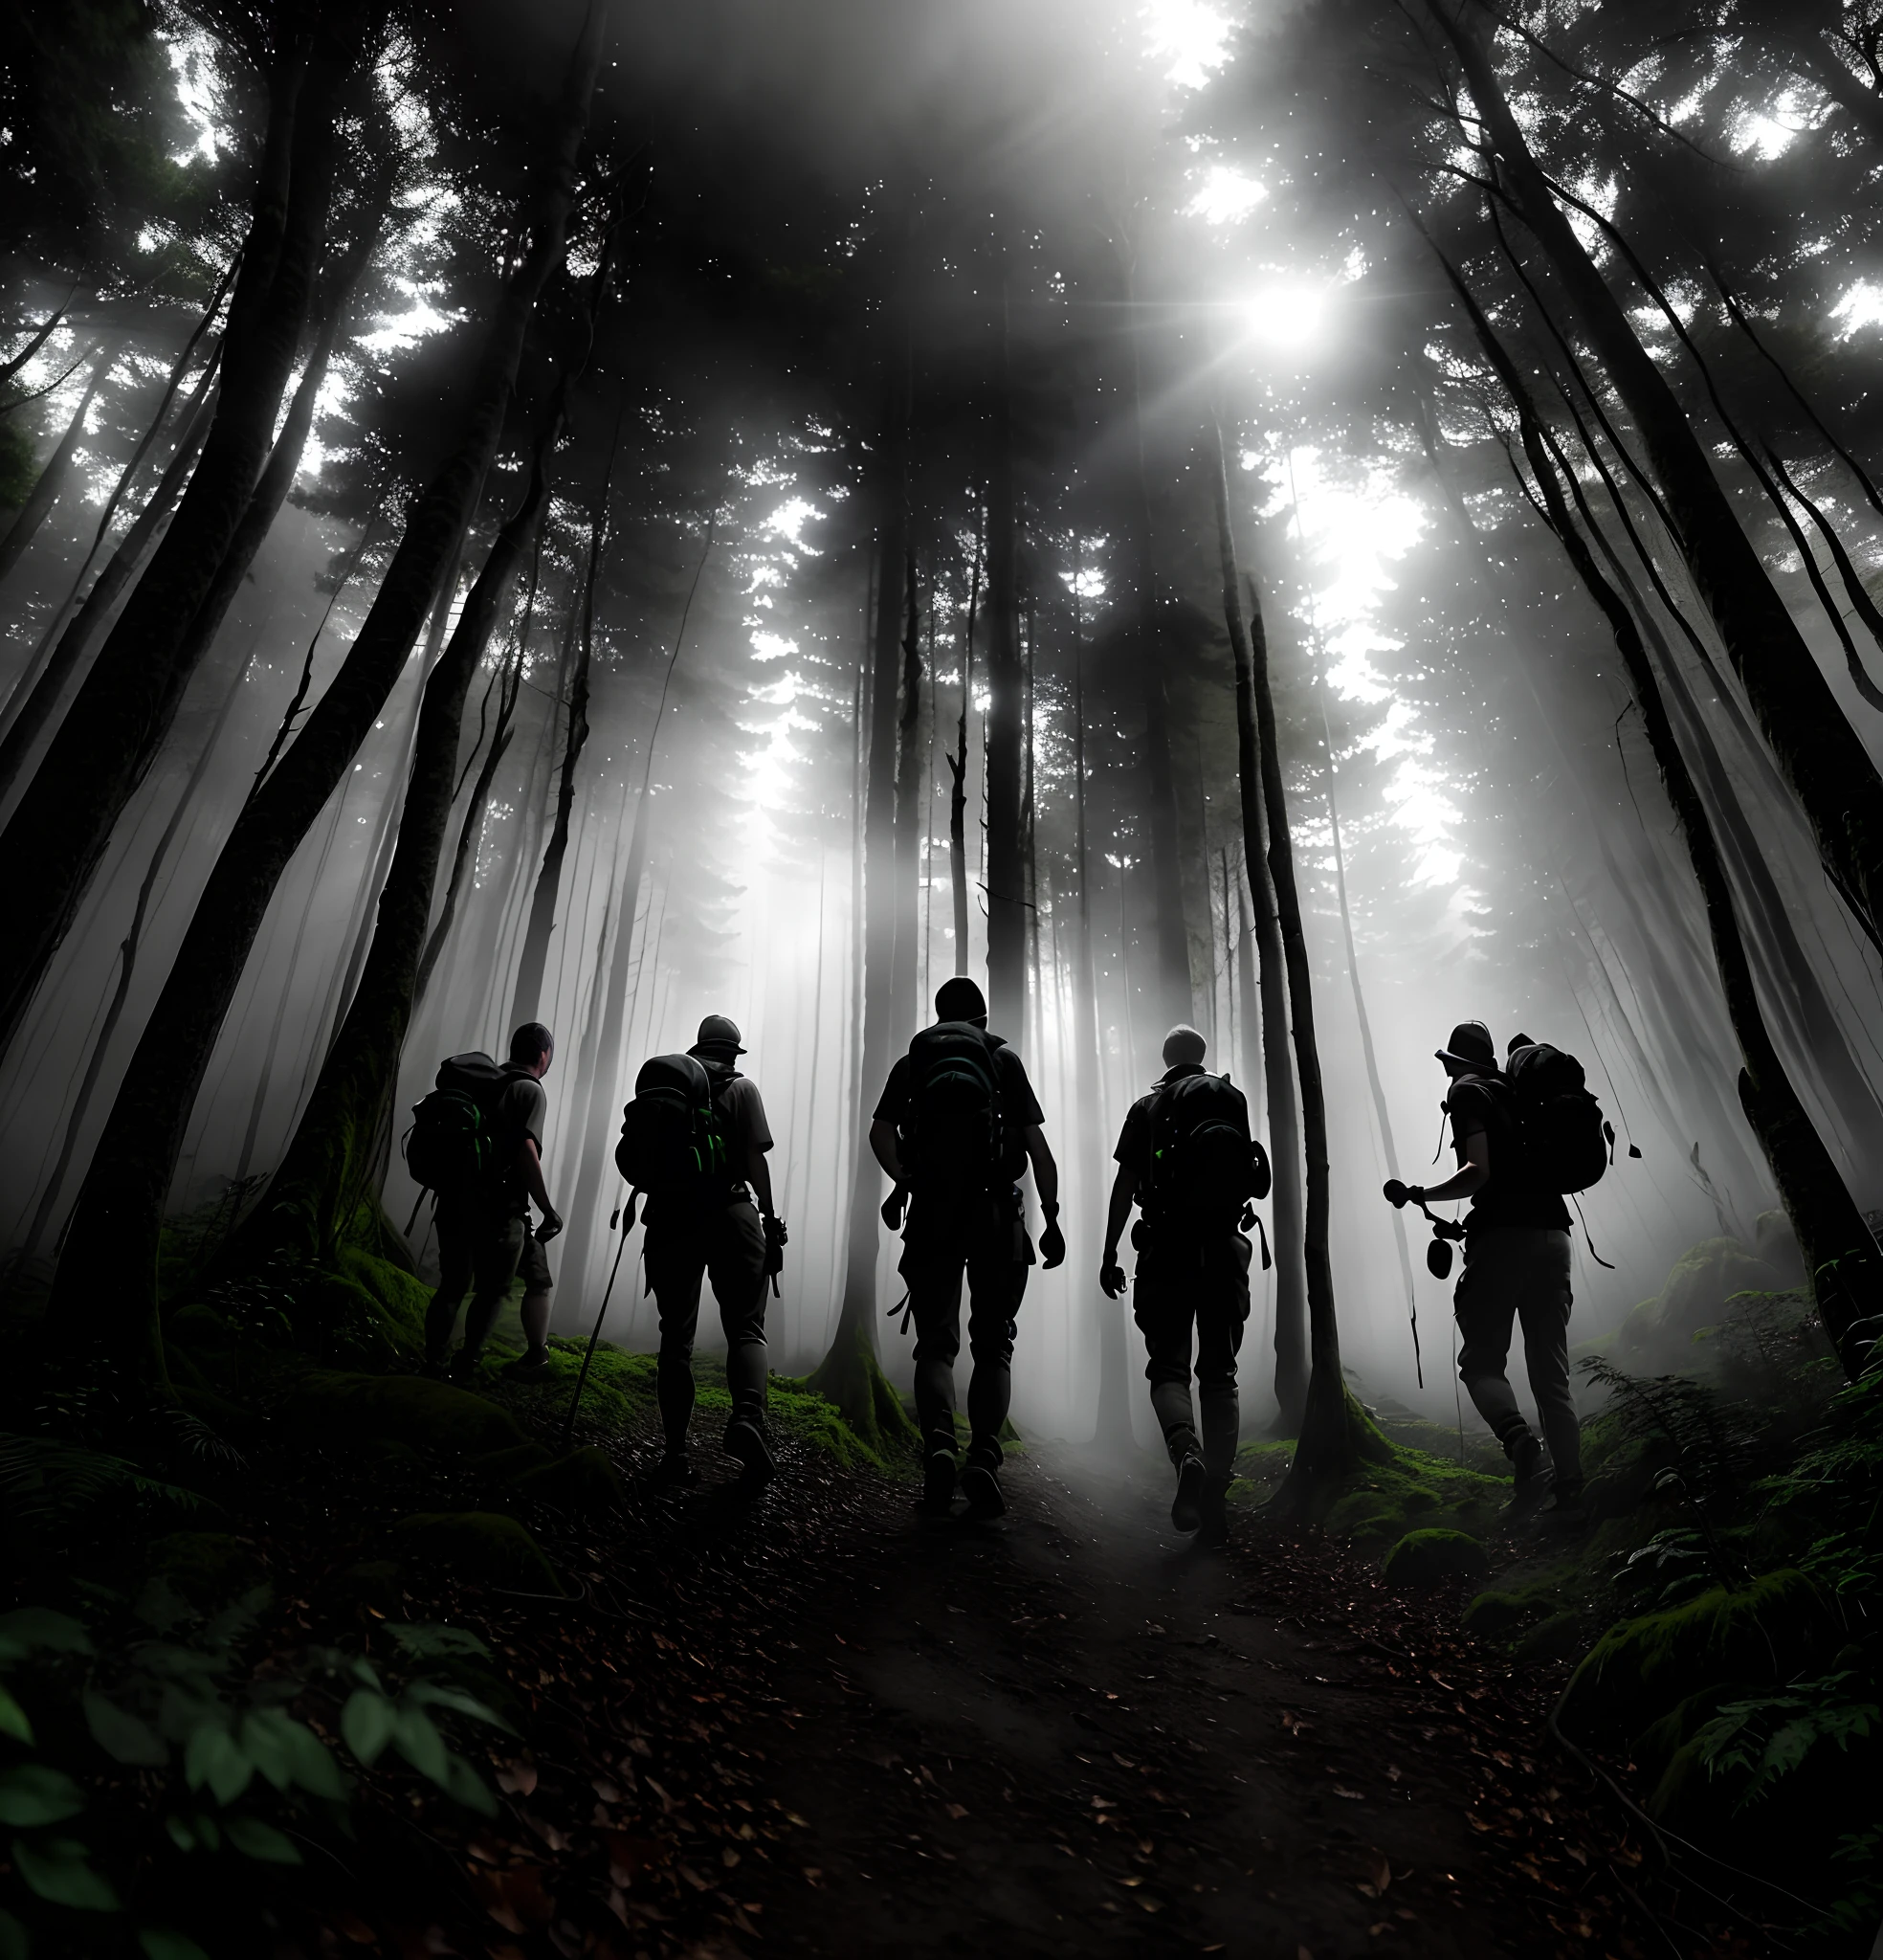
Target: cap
x=1470, y=1046
x=960, y=999
x=1183, y=1043
x=715, y=1031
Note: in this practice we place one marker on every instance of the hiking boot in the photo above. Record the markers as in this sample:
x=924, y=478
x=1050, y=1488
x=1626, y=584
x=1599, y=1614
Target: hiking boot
x=1186, y=1507
x=674, y=1471
x=746, y=1439
x=1213, y=1509
x=981, y=1487
x=530, y=1366
x=1531, y=1470
x=1568, y=1509
x=939, y=1482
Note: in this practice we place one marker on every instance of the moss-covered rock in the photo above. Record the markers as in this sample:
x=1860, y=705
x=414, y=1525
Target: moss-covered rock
x=405, y=1408
x=513, y=1462
x=1498, y=1616
x=476, y=1544
x=207, y=1568
x=1558, y=1637
x=1426, y=1558
x=376, y=1582
x=584, y=1483
x=399, y=1294
x=1758, y=1636
x=1658, y=1334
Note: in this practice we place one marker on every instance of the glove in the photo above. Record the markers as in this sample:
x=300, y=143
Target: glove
x=552, y=1223
x=776, y=1237
x=1398, y=1195
x=1053, y=1246
x=1111, y=1275
x=892, y=1208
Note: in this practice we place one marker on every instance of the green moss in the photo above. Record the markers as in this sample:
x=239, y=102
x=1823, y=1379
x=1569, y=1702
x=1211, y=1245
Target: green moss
x=1379, y=1503
x=584, y=1483
x=1558, y=1637
x=476, y=1544
x=1498, y=1616
x=1426, y=1558
x=208, y=1567
x=402, y=1409
x=400, y=1296
x=1659, y=1333
x=1760, y=1634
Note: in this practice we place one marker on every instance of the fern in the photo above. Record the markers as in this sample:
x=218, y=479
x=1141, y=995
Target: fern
x=48, y=1483
x=1769, y=1737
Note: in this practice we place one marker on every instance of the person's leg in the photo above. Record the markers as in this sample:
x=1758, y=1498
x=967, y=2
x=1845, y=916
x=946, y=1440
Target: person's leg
x=533, y=1313
x=935, y=1290
x=1221, y=1314
x=454, y=1282
x=736, y=1261
x=1164, y=1305
x=995, y=1289
x=676, y=1265
x=493, y=1266
x=1485, y=1304
x=1544, y=1313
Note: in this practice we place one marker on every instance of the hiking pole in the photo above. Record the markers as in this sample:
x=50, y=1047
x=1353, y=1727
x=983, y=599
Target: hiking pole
x=581, y=1380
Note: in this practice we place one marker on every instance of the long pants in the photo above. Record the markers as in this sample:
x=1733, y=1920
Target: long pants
x=984, y=1240
x=1191, y=1284
x=726, y=1244
x=1519, y=1274
x=479, y=1252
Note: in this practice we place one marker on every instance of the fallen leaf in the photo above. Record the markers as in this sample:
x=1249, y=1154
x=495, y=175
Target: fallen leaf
x=1382, y=1876
x=517, y=1779
x=1351, y=1795
x=955, y=1810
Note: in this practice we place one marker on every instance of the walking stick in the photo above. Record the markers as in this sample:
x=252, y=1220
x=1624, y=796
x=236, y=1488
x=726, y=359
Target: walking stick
x=568, y=1425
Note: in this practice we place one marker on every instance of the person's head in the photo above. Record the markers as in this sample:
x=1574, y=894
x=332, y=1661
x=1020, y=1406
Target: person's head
x=532, y=1047
x=1184, y=1044
x=717, y=1039
x=960, y=1000
x=1468, y=1051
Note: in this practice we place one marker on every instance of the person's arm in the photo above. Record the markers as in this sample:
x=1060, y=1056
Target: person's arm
x=882, y=1141
x=529, y=1164
x=1046, y=1182
x=1125, y=1194
x=1468, y=1179
x=758, y=1174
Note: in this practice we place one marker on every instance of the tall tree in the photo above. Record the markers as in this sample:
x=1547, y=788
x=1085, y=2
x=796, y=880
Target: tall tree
x=911, y=815
x=1006, y=864
x=51, y=480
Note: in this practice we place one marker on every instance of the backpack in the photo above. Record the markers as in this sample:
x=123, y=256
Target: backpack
x=1203, y=1163
x=452, y=1144
x=952, y=1134
x=1561, y=1135
x=671, y=1136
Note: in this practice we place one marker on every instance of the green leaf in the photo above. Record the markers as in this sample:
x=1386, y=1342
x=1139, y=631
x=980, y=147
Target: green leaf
x=253, y=1838
x=180, y=1834
x=429, y=1643
x=59, y=1873
x=38, y=1629
x=439, y=1695
x=166, y=1943
x=465, y=1786
x=14, y=1942
x=311, y=1763
x=421, y=1745
x=14, y=1723
x=211, y=1757
x=366, y=1722
x=122, y=1735
x=207, y=1833
x=260, y=1740
x=33, y=1794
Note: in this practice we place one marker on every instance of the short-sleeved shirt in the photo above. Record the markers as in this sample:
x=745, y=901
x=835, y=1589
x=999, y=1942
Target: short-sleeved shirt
x=1508, y=1197
x=1019, y=1106
x=519, y=1112
x=1134, y=1144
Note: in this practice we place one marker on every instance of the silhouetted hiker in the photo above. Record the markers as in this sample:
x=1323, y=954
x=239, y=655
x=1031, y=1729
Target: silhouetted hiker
x=712, y=1228
x=476, y=1141
x=1186, y=1158
x=1516, y=1270
x=955, y=1128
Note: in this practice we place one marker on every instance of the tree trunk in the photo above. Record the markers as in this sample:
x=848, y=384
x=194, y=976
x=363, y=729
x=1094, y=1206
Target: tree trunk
x=850, y=1375
x=125, y=706
x=1254, y=764
x=1814, y=745
x=106, y=1293
x=534, y=964
x=958, y=766
x=1007, y=869
x=51, y=480
x=38, y=696
x=911, y=819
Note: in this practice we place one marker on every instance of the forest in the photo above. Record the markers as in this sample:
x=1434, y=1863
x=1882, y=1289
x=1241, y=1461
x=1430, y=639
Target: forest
x=559, y=560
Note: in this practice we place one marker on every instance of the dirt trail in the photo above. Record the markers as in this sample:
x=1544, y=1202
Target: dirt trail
x=1072, y=1728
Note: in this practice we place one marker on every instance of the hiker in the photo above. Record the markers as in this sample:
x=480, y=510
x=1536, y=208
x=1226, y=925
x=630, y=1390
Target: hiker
x=491, y=1175
x=718, y=1224
x=1186, y=1158
x=955, y=1128
x=1516, y=1266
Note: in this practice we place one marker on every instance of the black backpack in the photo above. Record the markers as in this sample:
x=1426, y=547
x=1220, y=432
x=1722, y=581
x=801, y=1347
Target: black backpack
x=952, y=1133
x=1562, y=1134
x=452, y=1144
x=671, y=1137
x=1203, y=1163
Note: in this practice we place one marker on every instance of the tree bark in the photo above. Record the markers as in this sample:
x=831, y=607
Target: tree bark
x=1814, y=745
x=124, y=708
x=957, y=766
x=1252, y=766
x=105, y=1290
x=911, y=818
x=51, y=480
x=1007, y=868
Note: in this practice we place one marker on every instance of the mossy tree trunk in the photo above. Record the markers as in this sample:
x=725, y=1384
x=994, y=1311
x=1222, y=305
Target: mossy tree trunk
x=105, y=1293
